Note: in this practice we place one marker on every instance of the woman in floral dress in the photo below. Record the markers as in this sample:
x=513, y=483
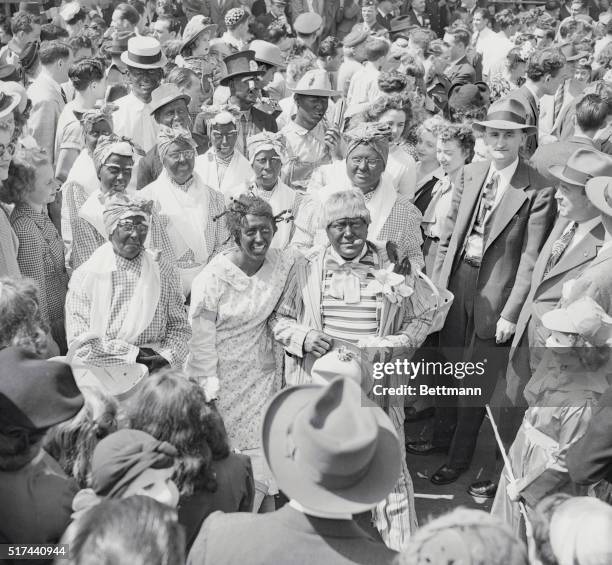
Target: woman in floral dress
x=232, y=351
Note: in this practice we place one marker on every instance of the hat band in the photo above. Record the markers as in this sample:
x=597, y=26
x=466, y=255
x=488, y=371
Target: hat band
x=507, y=117
x=576, y=176
x=145, y=59
x=5, y=101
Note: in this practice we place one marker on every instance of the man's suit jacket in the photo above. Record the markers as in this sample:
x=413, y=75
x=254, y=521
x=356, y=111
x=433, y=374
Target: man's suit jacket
x=590, y=459
x=557, y=153
x=47, y=105
x=532, y=112
x=284, y=537
x=544, y=295
x=596, y=281
x=414, y=20
x=437, y=88
x=461, y=72
x=384, y=21
x=514, y=235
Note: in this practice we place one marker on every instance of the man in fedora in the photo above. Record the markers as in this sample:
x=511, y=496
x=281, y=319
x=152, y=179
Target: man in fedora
x=334, y=457
x=311, y=140
x=144, y=61
x=242, y=78
x=36, y=494
x=500, y=216
x=170, y=107
x=545, y=73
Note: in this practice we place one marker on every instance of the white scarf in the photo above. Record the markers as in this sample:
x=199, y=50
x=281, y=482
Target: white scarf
x=83, y=173
x=238, y=170
x=99, y=288
x=92, y=212
x=187, y=212
x=380, y=206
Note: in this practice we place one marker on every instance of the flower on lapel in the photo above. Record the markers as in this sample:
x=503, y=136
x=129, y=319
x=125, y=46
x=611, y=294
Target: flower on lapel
x=391, y=285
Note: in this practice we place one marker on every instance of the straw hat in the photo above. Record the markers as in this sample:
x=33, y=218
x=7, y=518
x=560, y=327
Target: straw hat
x=195, y=27
x=144, y=53
x=315, y=83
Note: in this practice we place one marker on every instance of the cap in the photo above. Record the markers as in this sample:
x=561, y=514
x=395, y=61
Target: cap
x=307, y=23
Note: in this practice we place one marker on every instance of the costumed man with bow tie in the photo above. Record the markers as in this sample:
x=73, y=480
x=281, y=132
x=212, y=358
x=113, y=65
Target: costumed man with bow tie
x=500, y=215
x=344, y=292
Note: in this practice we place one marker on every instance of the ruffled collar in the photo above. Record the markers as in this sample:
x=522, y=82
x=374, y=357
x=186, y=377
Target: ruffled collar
x=233, y=275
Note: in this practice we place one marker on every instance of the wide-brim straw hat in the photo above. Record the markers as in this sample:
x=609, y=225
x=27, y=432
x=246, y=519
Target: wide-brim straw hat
x=506, y=114
x=599, y=192
x=329, y=449
x=144, y=53
x=197, y=26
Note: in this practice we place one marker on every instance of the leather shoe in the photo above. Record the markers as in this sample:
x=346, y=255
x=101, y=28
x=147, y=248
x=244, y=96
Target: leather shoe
x=424, y=448
x=483, y=489
x=446, y=475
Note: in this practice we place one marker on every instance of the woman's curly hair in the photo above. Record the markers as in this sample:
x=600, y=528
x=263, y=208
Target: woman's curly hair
x=21, y=324
x=22, y=176
x=463, y=135
x=173, y=408
x=397, y=101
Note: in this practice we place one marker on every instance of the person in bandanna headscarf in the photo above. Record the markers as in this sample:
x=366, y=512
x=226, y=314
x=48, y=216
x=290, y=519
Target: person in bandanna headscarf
x=125, y=304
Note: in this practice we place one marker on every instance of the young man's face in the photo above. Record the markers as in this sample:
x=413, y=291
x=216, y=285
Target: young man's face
x=161, y=31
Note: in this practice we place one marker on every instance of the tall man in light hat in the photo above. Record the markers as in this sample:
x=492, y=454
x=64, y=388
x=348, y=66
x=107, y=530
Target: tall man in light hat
x=242, y=78
x=144, y=60
x=501, y=214
x=311, y=140
x=344, y=465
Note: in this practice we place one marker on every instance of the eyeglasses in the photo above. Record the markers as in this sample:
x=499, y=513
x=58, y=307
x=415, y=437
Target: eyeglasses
x=371, y=163
x=116, y=170
x=261, y=161
x=10, y=149
x=355, y=224
x=186, y=154
x=219, y=135
x=128, y=226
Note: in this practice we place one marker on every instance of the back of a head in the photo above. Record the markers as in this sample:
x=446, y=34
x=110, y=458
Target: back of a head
x=52, y=51
x=132, y=531
x=464, y=536
x=376, y=48
x=591, y=112
x=545, y=61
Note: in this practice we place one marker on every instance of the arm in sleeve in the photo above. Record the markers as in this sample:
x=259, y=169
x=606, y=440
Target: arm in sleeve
x=91, y=349
x=540, y=221
x=43, y=122
x=283, y=321
x=418, y=315
x=174, y=345
x=411, y=237
x=31, y=260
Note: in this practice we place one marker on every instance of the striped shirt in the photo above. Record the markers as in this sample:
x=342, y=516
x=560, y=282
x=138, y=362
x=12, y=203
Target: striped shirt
x=350, y=322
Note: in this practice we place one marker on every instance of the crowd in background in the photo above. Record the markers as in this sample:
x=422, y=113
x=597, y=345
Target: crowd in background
x=217, y=215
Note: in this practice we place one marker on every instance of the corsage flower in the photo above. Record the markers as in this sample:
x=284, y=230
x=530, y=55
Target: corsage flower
x=391, y=285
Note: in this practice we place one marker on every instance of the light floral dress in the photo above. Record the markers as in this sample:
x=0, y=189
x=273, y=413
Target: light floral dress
x=244, y=356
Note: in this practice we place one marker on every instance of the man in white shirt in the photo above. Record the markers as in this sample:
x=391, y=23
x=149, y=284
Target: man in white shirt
x=144, y=60
x=501, y=214
x=354, y=55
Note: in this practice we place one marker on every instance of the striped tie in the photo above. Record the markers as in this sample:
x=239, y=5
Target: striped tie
x=559, y=247
x=558, y=102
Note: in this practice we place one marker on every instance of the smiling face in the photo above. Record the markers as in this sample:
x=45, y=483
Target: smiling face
x=129, y=236
x=426, y=146
x=116, y=173
x=256, y=234
x=174, y=114
x=368, y=13
x=223, y=137
x=504, y=145
x=364, y=167
x=144, y=82
x=267, y=168
x=347, y=236
x=450, y=155
x=179, y=161
x=396, y=120
x=156, y=484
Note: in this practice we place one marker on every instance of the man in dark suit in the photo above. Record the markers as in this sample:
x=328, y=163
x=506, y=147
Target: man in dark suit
x=344, y=458
x=545, y=73
x=460, y=71
x=437, y=84
x=370, y=22
x=501, y=213
x=384, y=13
x=591, y=116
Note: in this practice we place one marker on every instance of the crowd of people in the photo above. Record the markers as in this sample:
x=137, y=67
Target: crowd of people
x=217, y=217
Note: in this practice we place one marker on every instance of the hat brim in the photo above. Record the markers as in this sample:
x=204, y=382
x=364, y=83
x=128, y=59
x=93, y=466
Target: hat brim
x=557, y=172
x=317, y=92
x=296, y=481
x=277, y=64
x=504, y=124
x=168, y=100
x=596, y=193
x=15, y=99
x=558, y=321
x=212, y=28
x=224, y=80
x=158, y=65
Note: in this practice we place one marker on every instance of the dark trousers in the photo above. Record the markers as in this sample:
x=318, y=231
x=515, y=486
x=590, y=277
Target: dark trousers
x=458, y=418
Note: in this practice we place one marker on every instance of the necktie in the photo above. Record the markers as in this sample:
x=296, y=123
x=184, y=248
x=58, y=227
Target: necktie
x=559, y=247
x=487, y=199
x=558, y=103
x=63, y=95
x=475, y=38
x=243, y=126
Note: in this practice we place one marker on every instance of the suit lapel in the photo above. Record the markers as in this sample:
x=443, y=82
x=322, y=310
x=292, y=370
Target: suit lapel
x=533, y=103
x=510, y=203
x=585, y=250
x=540, y=266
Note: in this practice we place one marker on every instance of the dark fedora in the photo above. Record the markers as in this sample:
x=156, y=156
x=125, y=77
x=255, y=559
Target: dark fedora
x=506, y=114
x=240, y=65
x=329, y=448
x=36, y=394
x=9, y=73
x=583, y=165
x=401, y=23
